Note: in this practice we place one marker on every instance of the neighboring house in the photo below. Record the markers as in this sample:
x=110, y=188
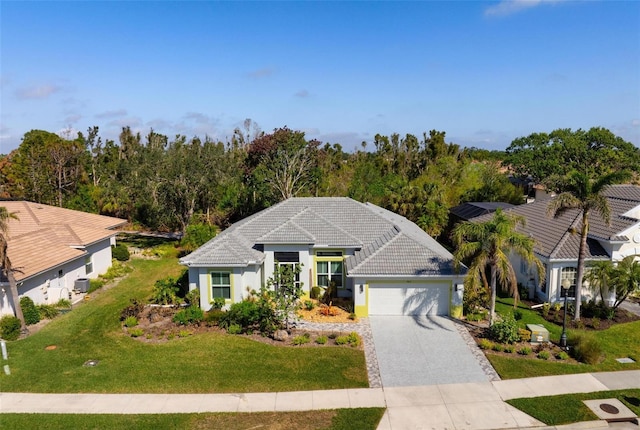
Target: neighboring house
x=381, y=260
x=558, y=240
x=469, y=210
x=50, y=248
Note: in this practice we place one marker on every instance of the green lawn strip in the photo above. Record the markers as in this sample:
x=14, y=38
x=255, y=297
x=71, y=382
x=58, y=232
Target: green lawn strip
x=203, y=363
x=338, y=419
x=618, y=341
x=568, y=408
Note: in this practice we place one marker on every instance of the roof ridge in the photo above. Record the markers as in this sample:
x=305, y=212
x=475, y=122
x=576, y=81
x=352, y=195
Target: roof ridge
x=337, y=227
x=565, y=236
x=374, y=250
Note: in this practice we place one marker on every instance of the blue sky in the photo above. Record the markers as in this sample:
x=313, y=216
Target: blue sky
x=483, y=72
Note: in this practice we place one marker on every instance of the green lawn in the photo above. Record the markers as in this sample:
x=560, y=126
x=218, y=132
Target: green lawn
x=621, y=340
x=339, y=419
x=204, y=363
x=568, y=408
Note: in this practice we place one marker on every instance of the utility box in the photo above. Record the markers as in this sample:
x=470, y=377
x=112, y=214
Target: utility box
x=81, y=285
x=539, y=333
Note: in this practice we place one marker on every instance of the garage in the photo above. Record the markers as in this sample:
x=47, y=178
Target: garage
x=409, y=299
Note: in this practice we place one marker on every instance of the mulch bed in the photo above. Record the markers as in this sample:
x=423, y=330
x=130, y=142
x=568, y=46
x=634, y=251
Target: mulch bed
x=156, y=323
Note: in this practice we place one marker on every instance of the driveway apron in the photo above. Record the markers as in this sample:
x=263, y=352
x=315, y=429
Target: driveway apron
x=422, y=350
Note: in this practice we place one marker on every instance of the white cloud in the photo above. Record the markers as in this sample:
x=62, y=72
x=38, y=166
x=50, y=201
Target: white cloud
x=37, y=91
x=509, y=7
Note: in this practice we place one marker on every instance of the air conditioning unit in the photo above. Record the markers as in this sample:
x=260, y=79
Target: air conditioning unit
x=81, y=285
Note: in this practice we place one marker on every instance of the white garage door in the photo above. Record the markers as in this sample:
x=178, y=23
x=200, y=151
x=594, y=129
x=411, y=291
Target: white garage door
x=399, y=299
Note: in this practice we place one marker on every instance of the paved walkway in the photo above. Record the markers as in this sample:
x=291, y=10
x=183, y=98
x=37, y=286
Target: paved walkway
x=471, y=406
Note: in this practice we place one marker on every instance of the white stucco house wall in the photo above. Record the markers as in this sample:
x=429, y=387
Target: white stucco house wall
x=558, y=241
x=51, y=247
x=386, y=264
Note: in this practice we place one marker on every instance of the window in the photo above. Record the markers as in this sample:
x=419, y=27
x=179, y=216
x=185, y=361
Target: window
x=568, y=273
x=290, y=260
x=524, y=267
x=329, y=268
x=221, y=285
x=88, y=265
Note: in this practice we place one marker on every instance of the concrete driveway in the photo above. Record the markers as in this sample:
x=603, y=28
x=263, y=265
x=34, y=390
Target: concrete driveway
x=422, y=350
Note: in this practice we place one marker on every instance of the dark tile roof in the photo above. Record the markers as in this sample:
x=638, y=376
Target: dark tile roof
x=469, y=210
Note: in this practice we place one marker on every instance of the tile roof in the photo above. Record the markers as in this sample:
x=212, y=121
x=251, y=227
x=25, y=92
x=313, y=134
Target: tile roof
x=385, y=243
x=559, y=237
x=470, y=210
x=45, y=236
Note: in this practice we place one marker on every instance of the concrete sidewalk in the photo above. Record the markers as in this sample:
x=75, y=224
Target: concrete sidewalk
x=469, y=406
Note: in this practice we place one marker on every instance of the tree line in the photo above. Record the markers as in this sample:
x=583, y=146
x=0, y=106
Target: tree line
x=164, y=183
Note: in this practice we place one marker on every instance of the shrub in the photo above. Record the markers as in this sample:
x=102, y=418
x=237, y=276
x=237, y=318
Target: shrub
x=213, y=317
x=544, y=355
x=509, y=349
x=562, y=355
x=9, y=327
x=546, y=306
x=332, y=335
x=505, y=331
x=309, y=305
x=302, y=339
x=218, y=303
x=165, y=291
x=485, y=344
x=120, y=252
x=595, y=323
x=321, y=340
x=136, y=332
x=48, y=311
x=29, y=310
x=131, y=321
x=63, y=303
x=315, y=292
x=133, y=310
x=184, y=333
x=95, y=284
x=557, y=306
x=193, y=297
x=245, y=314
x=498, y=347
x=584, y=349
x=234, y=329
x=477, y=316
x=524, y=334
x=342, y=340
x=525, y=350
x=117, y=270
x=517, y=314
x=188, y=315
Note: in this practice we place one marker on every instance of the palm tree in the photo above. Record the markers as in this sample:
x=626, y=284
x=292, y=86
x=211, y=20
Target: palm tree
x=600, y=276
x=7, y=268
x=580, y=192
x=626, y=279
x=489, y=244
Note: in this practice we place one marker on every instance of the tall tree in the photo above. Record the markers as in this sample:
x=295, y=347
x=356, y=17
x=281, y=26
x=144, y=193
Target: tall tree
x=488, y=245
x=7, y=268
x=583, y=193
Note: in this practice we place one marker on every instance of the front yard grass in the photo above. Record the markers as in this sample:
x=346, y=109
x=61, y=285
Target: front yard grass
x=203, y=363
x=568, y=408
x=618, y=341
x=338, y=419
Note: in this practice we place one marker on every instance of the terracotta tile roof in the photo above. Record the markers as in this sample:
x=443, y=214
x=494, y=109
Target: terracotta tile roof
x=44, y=236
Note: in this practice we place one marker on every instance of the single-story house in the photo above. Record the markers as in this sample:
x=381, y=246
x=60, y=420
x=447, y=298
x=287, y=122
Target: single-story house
x=51, y=248
x=385, y=263
x=558, y=241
